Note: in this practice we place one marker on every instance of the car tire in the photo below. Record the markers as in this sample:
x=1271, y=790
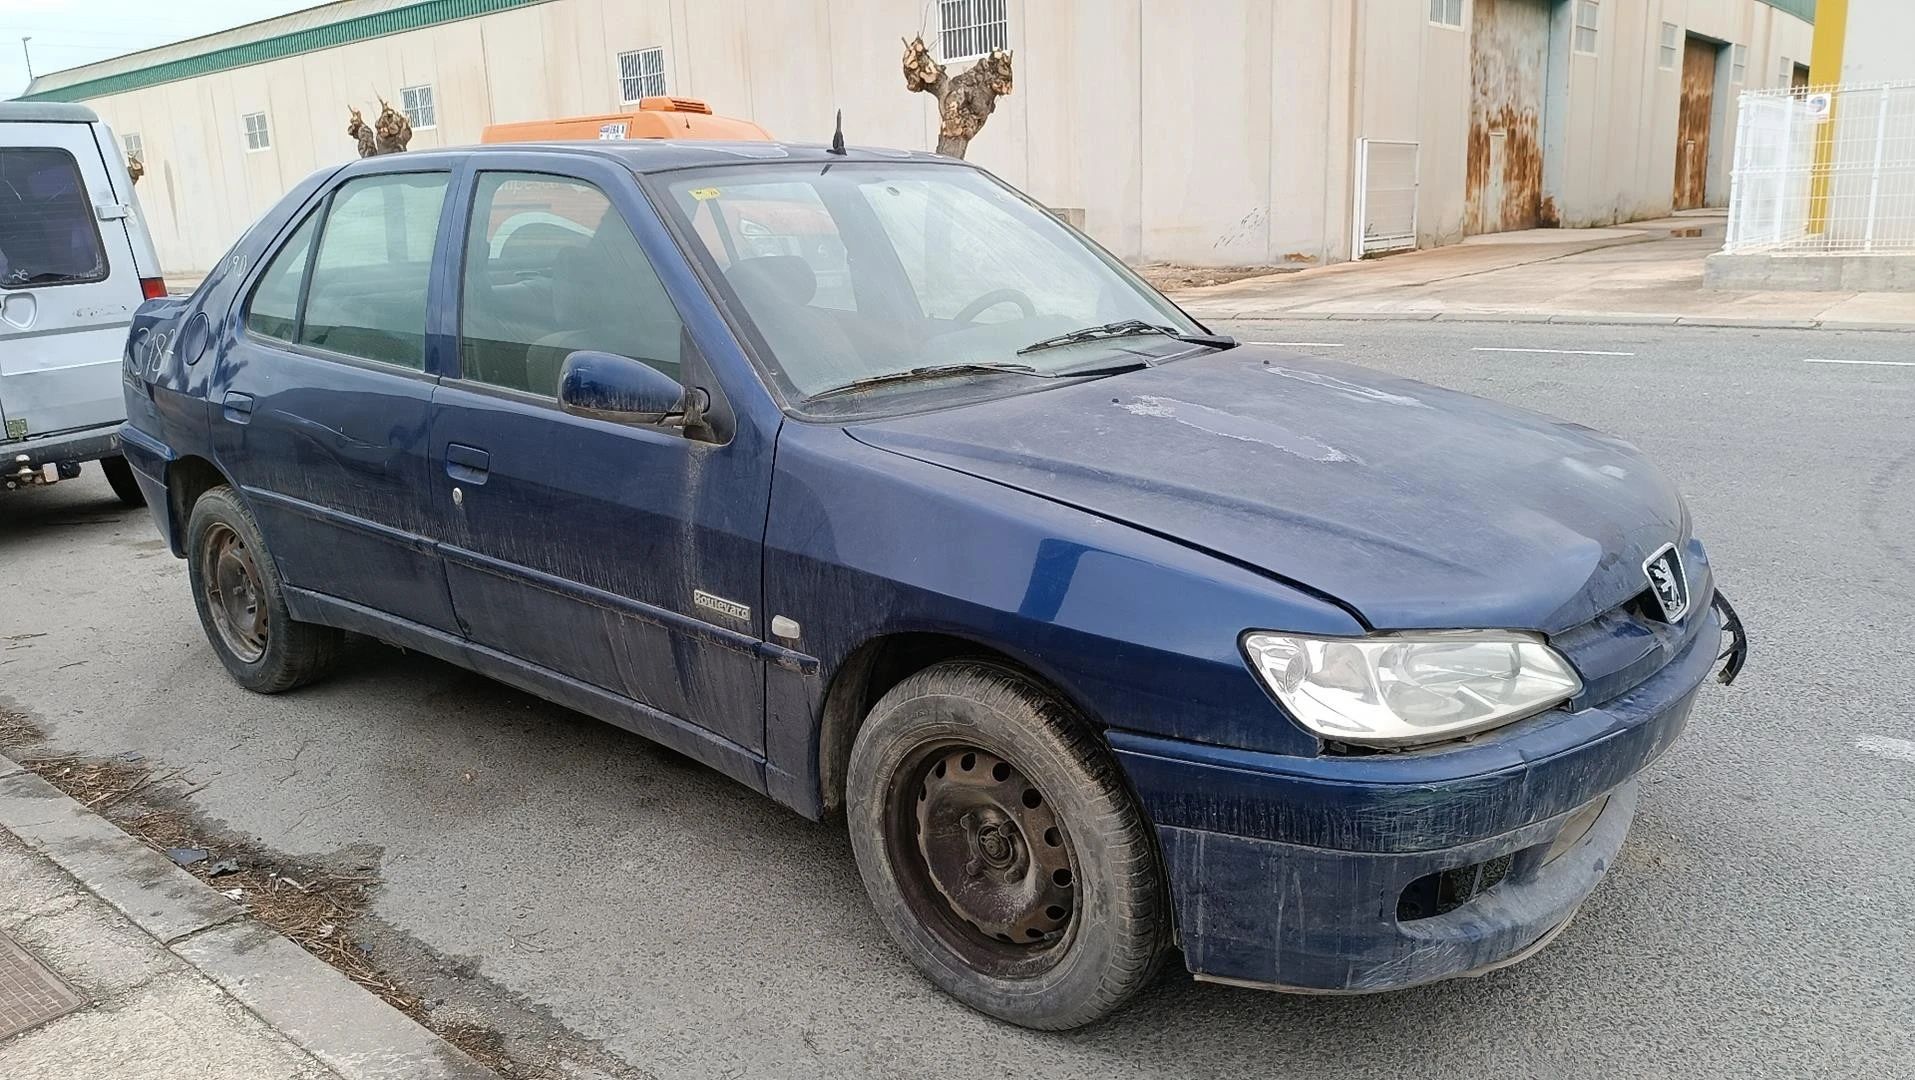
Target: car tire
x=241, y=605
x=982, y=807
x=119, y=476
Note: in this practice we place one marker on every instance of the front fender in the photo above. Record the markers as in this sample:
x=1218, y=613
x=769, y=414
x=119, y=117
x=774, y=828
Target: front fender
x=1140, y=631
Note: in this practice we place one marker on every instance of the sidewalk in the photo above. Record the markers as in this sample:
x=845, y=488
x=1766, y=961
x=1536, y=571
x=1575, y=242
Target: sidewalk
x=116, y=964
x=1644, y=272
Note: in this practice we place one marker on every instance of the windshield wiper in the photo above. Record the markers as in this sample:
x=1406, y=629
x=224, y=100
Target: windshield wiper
x=935, y=371
x=1128, y=328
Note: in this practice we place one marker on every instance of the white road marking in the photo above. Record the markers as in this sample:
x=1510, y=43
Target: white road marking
x=1303, y=344
x=1883, y=746
x=1869, y=363
x=1553, y=352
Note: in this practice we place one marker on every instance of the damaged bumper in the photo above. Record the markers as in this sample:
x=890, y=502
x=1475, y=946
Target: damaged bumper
x=1358, y=874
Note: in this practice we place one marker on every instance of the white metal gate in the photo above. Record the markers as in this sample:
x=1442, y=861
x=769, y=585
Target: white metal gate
x=1386, y=190
x=1827, y=170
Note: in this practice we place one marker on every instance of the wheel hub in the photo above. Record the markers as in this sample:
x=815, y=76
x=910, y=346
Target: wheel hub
x=234, y=596
x=992, y=848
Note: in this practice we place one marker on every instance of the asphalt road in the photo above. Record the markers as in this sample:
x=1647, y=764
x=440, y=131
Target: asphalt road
x=1756, y=925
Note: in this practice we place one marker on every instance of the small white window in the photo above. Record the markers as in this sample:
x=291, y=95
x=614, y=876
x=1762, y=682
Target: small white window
x=1785, y=73
x=416, y=103
x=1588, y=18
x=1447, y=13
x=136, y=148
x=1671, y=46
x=257, y=136
x=1738, y=63
x=968, y=29
x=641, y=74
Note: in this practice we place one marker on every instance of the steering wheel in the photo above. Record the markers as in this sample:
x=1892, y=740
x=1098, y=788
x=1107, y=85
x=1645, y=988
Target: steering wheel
x=993, y=298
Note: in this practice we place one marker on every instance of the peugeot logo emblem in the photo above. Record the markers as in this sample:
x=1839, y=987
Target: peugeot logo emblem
x=1667, y=581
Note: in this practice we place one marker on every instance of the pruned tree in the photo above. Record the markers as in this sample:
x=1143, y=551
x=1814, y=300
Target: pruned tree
x=965, y=100
x=392, y=132
x=357, y=130
x=135, y=168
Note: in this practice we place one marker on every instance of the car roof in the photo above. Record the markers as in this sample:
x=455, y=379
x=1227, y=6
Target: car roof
x=47, y=112
x=664, y=155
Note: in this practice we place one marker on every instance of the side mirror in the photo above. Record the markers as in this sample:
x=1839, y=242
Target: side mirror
x=606, y=386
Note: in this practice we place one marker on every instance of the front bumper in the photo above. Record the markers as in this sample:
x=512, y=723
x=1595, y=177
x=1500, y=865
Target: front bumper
x=1289, y=872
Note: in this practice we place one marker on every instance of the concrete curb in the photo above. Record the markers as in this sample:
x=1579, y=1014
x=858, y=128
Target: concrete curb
x=1564, y=318
x=318, y=1009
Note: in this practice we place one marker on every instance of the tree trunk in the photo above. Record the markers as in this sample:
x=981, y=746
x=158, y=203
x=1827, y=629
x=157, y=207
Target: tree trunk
x=966, y=100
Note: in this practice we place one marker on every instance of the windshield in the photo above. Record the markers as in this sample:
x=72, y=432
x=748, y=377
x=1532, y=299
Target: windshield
x=855, y=272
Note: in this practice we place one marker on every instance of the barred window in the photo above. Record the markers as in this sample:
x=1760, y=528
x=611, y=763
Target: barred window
x=416, y=103
x=968, y=29
x=641, y=74
x=257, y=135
x=134, y=146
x=1447, y=12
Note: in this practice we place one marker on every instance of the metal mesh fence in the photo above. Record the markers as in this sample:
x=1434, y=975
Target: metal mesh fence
x=1824, y=170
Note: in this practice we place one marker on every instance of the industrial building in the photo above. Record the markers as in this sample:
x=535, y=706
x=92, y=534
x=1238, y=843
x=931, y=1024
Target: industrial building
x=1210, y=132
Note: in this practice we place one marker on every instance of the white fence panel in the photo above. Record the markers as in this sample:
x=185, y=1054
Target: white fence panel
x=1387, y=179
x=1825, y=171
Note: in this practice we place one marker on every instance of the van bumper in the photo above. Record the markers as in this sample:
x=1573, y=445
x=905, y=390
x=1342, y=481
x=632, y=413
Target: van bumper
x=1361, y=874
x=66, y=448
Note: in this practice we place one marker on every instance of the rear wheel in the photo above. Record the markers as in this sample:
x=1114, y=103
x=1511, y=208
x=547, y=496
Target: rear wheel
x=236, y=588
x=119, y=475
x=1001, y=849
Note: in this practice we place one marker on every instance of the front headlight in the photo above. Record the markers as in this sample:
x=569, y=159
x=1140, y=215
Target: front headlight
x=1402, y=689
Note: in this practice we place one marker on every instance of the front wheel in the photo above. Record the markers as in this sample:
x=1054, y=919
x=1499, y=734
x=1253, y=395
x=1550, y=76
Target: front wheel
x=236, y=588
x=1002, y=850
x=119, y=476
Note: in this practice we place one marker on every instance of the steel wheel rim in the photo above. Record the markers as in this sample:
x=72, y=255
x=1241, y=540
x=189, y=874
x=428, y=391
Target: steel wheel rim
x=982, y=860
x=235, y=597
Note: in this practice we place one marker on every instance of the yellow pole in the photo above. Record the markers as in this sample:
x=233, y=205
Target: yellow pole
x=1825, y=70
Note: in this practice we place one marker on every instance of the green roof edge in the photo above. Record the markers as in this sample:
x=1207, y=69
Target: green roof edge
x=1801, y=9
x=311, y=39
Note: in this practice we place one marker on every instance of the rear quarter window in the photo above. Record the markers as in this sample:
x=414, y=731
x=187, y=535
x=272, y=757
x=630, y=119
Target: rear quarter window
x=47, y=232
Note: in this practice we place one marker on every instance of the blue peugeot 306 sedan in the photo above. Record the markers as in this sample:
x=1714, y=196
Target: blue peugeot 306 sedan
x=863, y=480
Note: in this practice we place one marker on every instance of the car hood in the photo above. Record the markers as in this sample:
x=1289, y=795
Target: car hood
x=1415, y=506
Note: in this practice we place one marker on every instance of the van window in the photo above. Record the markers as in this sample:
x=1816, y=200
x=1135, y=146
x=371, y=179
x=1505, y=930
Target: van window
x=551, y=268
x=274, y=310
x=47, y=232
x=367, y=297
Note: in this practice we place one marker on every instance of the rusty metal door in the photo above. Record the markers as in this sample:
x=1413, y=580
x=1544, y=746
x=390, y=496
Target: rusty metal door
x=1692, y=123
x=1509, y=50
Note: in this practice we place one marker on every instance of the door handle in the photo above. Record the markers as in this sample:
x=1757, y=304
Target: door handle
x=237, y=407
x=467, y=464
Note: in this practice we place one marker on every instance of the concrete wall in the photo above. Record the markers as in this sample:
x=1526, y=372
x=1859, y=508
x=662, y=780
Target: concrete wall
x=1880, y=43
x=1202, y=131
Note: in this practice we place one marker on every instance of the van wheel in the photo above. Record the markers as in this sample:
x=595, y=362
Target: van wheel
x=1001, y=848
x=119, y=475
x=236, y=588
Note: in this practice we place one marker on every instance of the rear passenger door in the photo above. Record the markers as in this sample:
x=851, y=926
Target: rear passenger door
x=322, y=396
x=628, y=558
x=68, y=285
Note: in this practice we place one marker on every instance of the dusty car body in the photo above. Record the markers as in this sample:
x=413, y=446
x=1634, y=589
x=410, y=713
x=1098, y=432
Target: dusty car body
x=1102, y=631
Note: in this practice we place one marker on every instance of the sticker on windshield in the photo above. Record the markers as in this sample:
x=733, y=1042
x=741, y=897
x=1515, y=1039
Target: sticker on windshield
x=703, y=193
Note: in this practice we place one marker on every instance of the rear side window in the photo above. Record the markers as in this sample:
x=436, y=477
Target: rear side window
x=550, y=269
x=47, y=232
x=367, y=296
x=274, y=311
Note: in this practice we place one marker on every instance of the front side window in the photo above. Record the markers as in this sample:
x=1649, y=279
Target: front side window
x=274, y=310
x=367, y=297
x=257, y=135
x=551, y=268
x=416, y=103
x=641, y=74
x=47, y=232
x=855, y=271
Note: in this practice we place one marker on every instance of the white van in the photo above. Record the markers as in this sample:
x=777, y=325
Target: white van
x=75, y=261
